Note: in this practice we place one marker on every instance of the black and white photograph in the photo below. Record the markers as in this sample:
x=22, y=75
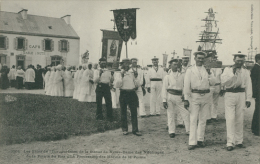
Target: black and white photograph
x=130, y=81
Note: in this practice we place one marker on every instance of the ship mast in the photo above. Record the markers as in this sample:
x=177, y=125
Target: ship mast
x=209, y=38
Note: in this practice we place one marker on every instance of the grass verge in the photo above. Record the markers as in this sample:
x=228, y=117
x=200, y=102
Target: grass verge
x=43, y=118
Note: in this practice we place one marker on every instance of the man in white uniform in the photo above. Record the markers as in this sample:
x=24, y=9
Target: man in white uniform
x=154, y=86
x=140, y=76
x=237, y=83
x=184, y=67
x=172, y=97
x=197, y=86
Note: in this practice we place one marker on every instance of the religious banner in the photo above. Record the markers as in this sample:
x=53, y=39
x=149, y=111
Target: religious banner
x=187, y=52
x=125, y=20
x=111, y=46
x=165, y=56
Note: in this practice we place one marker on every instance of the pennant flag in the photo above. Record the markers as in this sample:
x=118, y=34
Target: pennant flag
x=111, y=46
x=125, y=20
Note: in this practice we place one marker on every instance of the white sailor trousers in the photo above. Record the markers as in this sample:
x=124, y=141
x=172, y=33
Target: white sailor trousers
x=234, y=113
x=141, y=107
x=199, y=107
x=155, y=99
x=214, y=102
x=176, y=105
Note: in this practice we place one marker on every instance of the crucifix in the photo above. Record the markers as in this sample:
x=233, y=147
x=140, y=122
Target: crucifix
x=174, y=53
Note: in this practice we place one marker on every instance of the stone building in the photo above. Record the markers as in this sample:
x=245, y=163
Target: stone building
x=31, y=39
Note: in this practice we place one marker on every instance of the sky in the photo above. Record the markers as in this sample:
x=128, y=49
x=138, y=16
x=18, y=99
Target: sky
x=162, y=26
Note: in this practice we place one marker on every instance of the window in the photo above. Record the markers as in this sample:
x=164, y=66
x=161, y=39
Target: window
x=3, y=42
x=47, y=45
x=63, y=46
x=55, y=60
x=2, y=59
x=20, y=43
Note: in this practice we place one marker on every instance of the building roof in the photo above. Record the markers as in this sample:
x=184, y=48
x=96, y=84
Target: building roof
x=35, y=25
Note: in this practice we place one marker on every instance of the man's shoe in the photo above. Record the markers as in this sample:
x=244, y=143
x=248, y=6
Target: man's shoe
x=125, y=133
x=241, y=146
x=172, y=135
x=230, y=148
x=201, y=144
x=157, y=114
x=180, y=126
x=192, y=147
x=137, y=133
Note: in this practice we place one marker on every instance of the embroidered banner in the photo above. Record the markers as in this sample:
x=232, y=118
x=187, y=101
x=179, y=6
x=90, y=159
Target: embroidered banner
x=111, y=46
x=125, y=20
x=165, y=56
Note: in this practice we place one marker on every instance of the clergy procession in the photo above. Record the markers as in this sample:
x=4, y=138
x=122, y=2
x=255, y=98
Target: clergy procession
x=189, y=93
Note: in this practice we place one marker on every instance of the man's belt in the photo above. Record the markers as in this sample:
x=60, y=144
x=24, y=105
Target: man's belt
x=155, y=79
x=200, y=91
x=235, y=90
x=217, y=84
x=174, y=92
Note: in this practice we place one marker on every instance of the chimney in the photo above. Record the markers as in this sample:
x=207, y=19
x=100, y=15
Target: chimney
x=23, y=13
x=66, y=18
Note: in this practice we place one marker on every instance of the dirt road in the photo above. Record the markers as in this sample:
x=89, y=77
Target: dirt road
x=155, y=146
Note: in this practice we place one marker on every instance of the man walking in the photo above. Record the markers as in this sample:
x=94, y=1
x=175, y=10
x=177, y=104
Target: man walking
x=128, y=85
x=154, y=86
x=103, y=78
x=196, y=84
x=140, y=76
x=172, y=101
x=29, y=77
x=237, y=82
x=255, y=76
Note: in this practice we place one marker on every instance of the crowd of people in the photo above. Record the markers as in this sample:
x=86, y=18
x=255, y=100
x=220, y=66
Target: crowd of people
x=31, y=78
x=189, y=93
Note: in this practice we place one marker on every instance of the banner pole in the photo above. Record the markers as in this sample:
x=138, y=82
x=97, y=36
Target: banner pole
x=126, y=49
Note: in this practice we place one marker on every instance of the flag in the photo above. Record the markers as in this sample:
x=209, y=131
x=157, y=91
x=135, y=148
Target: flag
x=111, y=46
x=165, y=56
x=125, y=20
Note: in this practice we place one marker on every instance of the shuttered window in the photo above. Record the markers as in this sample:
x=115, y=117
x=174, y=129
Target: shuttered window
x=48, y=45
x=63, y=46
x=3, y=42
x=21, y=43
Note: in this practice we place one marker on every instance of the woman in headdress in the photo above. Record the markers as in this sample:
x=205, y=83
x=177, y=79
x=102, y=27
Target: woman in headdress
x=80, y=74
x=50, y=91
x=46, y=79
x=58, y=82
x=68, y=83
x=84, y=85
x=76, y=85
